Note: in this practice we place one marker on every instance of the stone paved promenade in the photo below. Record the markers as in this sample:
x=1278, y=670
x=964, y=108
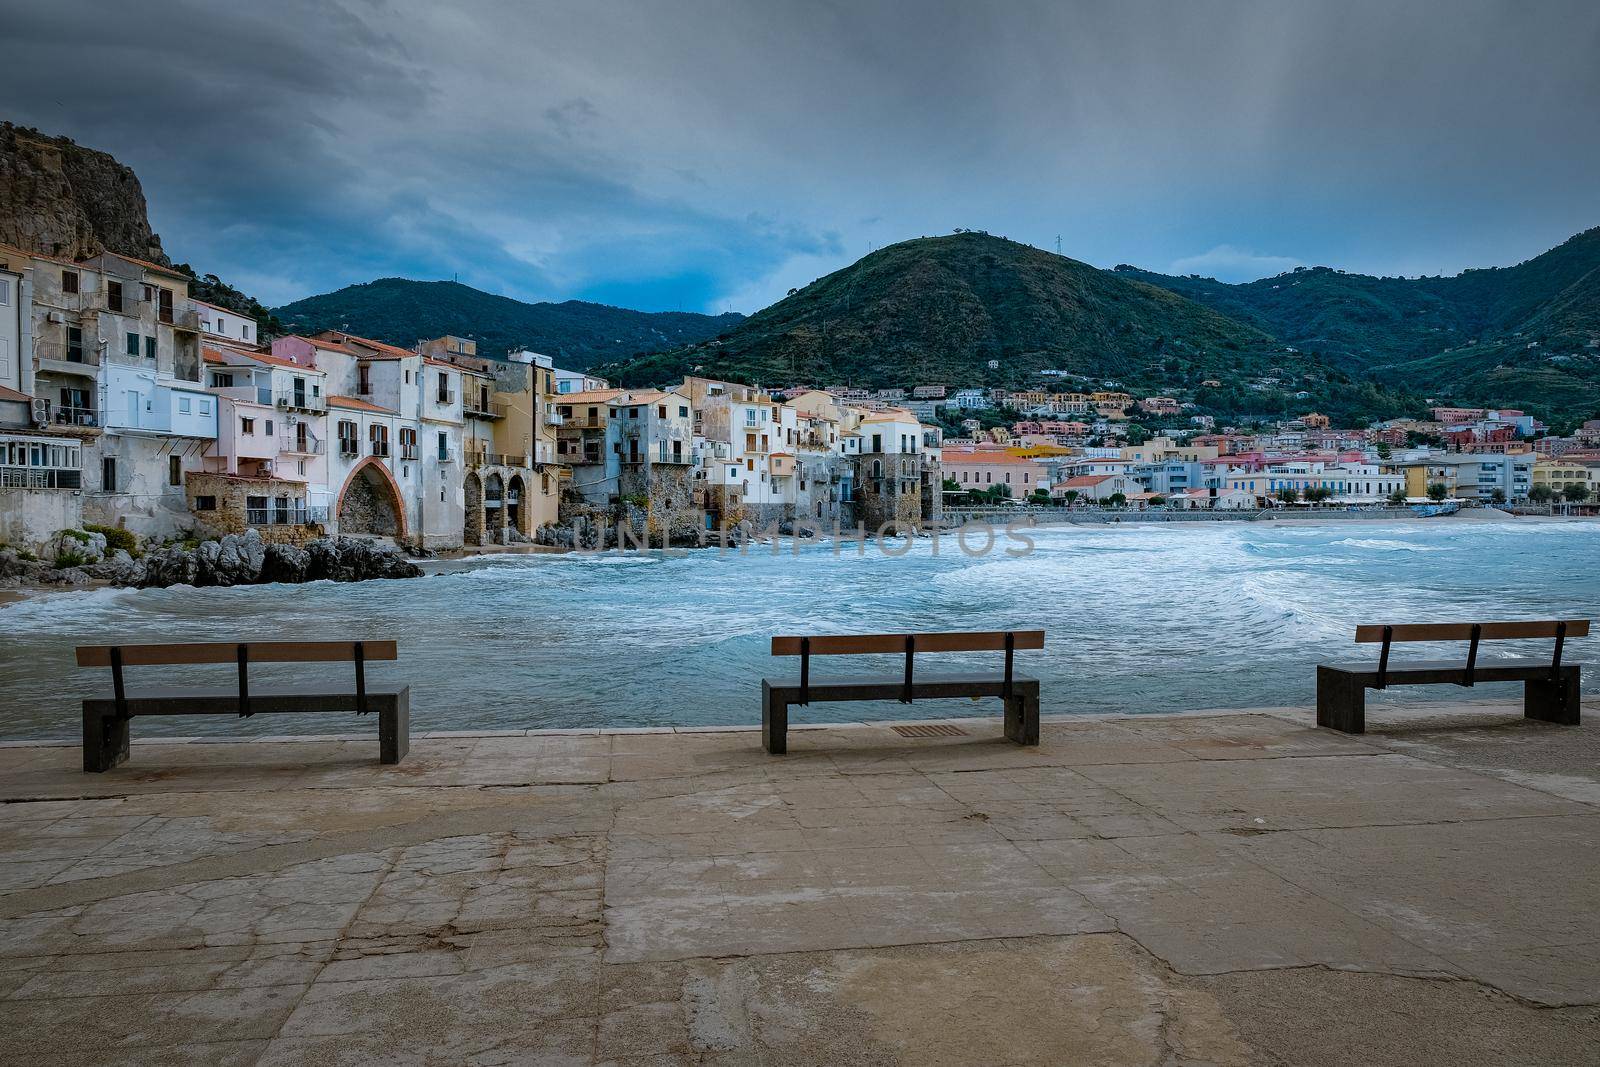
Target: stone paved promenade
x=1174, y=890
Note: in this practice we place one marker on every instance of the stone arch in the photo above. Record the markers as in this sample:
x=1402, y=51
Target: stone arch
x=472, y=487
x=370, y=502
x=517, y=510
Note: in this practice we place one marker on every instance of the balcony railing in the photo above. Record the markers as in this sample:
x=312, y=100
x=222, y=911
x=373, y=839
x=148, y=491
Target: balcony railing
x=40, y=478
x=59, y=356
x=72, y=416
x=180, y=319
x=380, y=449
x=553, y=418
x=496, y=459
x=445, y=397
x=349, y=447
x=295, y=514
x=291, y=443
x=298, y=400
x=477, y=409
x=410, y=453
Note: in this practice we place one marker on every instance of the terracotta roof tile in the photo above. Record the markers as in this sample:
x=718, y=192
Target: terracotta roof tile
x=357, y=405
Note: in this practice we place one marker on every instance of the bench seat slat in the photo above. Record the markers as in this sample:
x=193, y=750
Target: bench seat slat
x=227, y=652
x=1432, y=672
x=892, y=686
x=870, y=644
x=177, y=700
x=1462, y=631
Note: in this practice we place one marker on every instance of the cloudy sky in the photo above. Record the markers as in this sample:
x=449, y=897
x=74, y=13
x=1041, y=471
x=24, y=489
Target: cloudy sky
x=710, y=154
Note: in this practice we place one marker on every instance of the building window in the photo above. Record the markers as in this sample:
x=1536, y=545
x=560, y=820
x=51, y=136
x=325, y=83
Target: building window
x=133, y=344
x=408, y=443
x=184, y=405
x=348, y=439
x=205, y=503
x=444, y=388
x=378, y=438
x=255, y=510
x=444, y=446
x=108, y=474
x=69, y=281
x=5, y=292
x=269, y=427
x=74, y=343
x=247, y=426
x=114, y=296
x=244, y=331
x=174, y=470
x=149, y=348
x=205, y=409
x=164, y=306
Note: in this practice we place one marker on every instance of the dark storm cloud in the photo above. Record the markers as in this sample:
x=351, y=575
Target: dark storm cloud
x=711, y=153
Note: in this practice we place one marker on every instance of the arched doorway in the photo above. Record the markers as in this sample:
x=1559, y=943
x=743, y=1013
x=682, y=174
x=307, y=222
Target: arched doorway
x=516, y=505
x=370, y=502
x=494, y=512
x=473, y=489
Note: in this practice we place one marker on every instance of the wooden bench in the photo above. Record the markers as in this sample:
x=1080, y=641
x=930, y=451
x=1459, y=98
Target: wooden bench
x=1021, y=694
x=105, y=719
x=1550, y=687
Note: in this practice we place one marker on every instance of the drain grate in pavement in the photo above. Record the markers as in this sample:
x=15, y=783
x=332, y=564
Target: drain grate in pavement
x=930, y=729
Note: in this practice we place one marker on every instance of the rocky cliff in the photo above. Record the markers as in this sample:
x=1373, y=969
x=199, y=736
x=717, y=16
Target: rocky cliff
x=61, y=199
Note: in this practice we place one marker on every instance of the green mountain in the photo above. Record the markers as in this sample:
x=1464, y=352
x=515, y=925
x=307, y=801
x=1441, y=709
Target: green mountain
x=577, y=334
x=940, y=309
x=1524, y=336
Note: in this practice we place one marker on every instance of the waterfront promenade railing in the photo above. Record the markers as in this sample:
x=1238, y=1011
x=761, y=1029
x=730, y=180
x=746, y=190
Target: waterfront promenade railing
x=1001, y=516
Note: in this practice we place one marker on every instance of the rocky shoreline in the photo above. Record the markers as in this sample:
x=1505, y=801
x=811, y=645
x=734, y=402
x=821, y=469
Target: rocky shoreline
x=236, y=559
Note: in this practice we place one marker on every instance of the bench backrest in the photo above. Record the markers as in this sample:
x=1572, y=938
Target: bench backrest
x=1560, y=629
x=1463, y=631
x=241, y=653
x=228, y=652
x=908, y=644
x=868, y=644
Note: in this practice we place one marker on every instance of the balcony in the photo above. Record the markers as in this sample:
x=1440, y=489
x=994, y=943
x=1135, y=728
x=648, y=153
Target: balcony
x=186, y=319
x=292, y=444
x=477, y=409
x=349, y=447
x=56, y=357
x=380, y=449
x=294, y=514
x=496, y=459
x=447, y=455
x=445, y=398
x=12, y=477
x=553, y=418
x=74, y=416
x=297, y=400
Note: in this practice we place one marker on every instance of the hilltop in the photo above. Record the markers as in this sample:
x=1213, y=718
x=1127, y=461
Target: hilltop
x=578, y=334
x=940, y=309
x=1524, y=335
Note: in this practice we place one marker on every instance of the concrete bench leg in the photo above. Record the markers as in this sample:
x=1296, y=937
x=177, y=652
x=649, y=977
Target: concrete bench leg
x=105, y=741
x=1022, y=714
x=394, y=729
x=1341, y=701
x=1553, y=701
x=774, y=722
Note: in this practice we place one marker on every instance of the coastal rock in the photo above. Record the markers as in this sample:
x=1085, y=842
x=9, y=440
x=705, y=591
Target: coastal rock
x=174, y=565
x=284, y=563
x=238, y=559
x=78, y=545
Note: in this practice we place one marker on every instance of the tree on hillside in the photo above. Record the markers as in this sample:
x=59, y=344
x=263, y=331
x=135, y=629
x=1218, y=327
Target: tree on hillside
x=1438, y=493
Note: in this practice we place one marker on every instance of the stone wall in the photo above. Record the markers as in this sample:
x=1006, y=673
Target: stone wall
x=231, y=515
x=30, y=518
x=883, y=499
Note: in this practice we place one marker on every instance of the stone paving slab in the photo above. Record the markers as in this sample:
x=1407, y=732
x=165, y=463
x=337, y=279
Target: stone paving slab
x=1164, y=890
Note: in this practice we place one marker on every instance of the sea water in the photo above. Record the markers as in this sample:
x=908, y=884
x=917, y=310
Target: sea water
x=1140, y=618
